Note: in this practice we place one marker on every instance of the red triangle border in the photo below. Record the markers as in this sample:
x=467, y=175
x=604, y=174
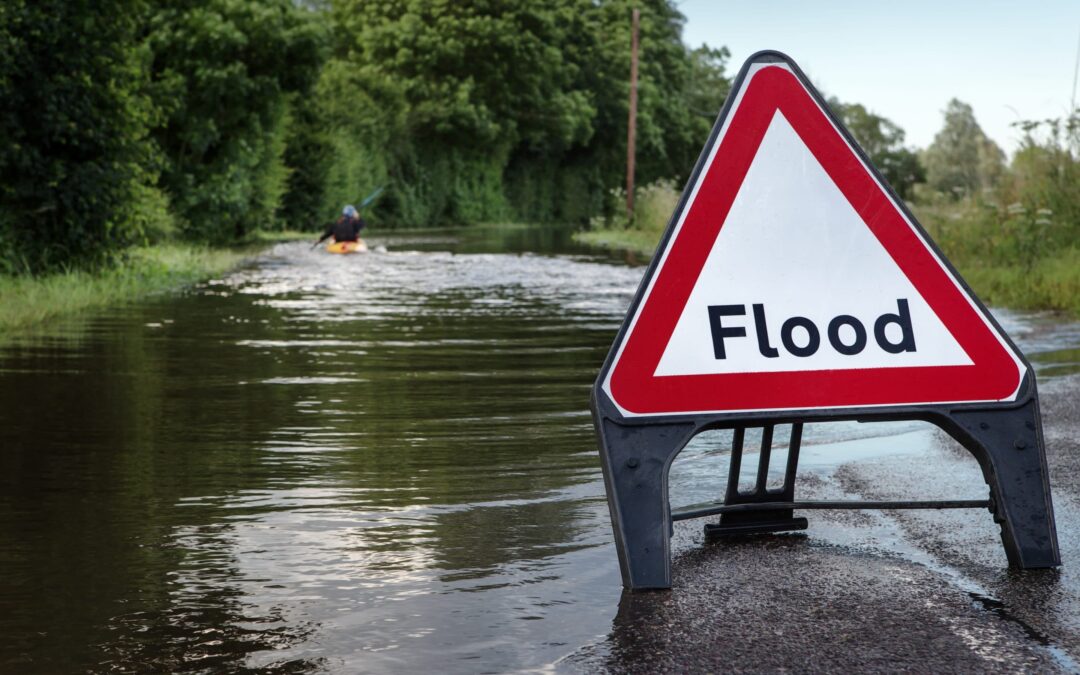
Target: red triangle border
x=995, y=374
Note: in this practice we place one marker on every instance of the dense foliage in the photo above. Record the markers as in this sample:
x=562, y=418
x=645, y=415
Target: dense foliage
x=128, y=120
x=883, y=143
x=962, y=160
x=1005, y=215
x=133, y=121
x=75, y=162
x=221, y=73
x=498, y=109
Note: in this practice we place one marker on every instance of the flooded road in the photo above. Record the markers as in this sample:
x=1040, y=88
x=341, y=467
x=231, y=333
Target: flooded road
x=385, y=463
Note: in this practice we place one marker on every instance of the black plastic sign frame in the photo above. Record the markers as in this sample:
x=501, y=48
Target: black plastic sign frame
x=637, y=451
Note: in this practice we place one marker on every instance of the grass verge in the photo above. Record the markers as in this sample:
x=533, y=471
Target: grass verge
x=27, y=302
x=653, y=206
x=620, y=240
x=1049, y=282
x=1052, y=282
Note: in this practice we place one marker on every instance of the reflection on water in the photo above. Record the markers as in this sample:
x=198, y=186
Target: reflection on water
x=1051, y=343
x=377, y=462
x=316, y=462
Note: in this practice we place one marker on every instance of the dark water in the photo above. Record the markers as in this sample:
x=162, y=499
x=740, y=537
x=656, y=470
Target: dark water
x=377, y=463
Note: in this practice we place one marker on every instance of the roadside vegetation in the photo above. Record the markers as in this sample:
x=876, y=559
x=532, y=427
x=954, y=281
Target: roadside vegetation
x=131, y=125
x=29, y=301
x=1011, y=228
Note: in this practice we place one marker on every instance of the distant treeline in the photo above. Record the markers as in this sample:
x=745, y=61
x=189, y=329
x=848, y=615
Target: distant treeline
x=133, y=121
x=128, y=121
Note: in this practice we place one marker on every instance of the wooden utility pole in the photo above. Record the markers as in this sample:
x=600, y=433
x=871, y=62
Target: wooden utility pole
x=631, y=127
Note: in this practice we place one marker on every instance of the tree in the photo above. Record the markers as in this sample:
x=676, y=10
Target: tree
x=1044, y=185
x=75, y=166
x=222, y=71
x=519, y=109
x=962, y=160
x=478, y=81
x=883, y=142
x=708, y=84
x=677, y=87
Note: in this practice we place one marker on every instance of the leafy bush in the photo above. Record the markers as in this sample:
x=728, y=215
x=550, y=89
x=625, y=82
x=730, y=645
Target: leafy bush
x=654, y=205
x=75, y=163
x=519, y=111
x=221, y=72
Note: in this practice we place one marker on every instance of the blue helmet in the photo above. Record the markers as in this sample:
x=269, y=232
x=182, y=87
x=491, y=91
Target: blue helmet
x=349, y=211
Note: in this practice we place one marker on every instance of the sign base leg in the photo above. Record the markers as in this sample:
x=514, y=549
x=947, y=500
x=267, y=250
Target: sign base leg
x=727, y=528
x=759, y=522
x=1009, y=447
x=636, y=460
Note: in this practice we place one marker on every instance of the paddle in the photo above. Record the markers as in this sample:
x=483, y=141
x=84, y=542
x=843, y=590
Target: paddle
x=371, y=197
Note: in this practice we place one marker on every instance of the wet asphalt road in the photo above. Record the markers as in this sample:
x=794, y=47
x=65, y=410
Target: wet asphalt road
x=914, y=591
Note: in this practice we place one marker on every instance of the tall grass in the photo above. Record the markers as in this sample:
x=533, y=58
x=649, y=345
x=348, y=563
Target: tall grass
x=1052, y=283
x=1013, y=255
x=27, y=301
x=653, y=206
x=1017, y=254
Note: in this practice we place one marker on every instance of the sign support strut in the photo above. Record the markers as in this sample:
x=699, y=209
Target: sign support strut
x=636, y=459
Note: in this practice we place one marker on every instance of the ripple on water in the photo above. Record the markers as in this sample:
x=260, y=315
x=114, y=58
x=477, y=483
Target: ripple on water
x=374, y=462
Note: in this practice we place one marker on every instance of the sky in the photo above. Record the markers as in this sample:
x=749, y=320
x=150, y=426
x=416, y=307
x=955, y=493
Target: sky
x=904, y=60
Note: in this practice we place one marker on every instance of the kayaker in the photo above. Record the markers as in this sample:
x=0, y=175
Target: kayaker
x=347, y=227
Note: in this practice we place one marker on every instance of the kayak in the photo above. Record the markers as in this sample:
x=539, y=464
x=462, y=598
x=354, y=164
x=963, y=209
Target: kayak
x=357, y=246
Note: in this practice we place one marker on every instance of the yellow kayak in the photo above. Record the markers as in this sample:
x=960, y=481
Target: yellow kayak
x=357, y=246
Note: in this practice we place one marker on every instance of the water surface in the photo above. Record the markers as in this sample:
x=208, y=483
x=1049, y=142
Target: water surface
x=378, y=462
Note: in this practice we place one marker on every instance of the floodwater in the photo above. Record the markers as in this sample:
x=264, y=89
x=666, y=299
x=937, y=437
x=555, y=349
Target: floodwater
x=380, y=463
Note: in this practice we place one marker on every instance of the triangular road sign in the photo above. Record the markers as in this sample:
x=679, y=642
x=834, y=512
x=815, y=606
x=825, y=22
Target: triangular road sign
x=791, y=286
x=792, y=278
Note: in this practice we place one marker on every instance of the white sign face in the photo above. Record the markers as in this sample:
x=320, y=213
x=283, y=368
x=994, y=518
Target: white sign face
x=792, y=280
x=792, y=246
